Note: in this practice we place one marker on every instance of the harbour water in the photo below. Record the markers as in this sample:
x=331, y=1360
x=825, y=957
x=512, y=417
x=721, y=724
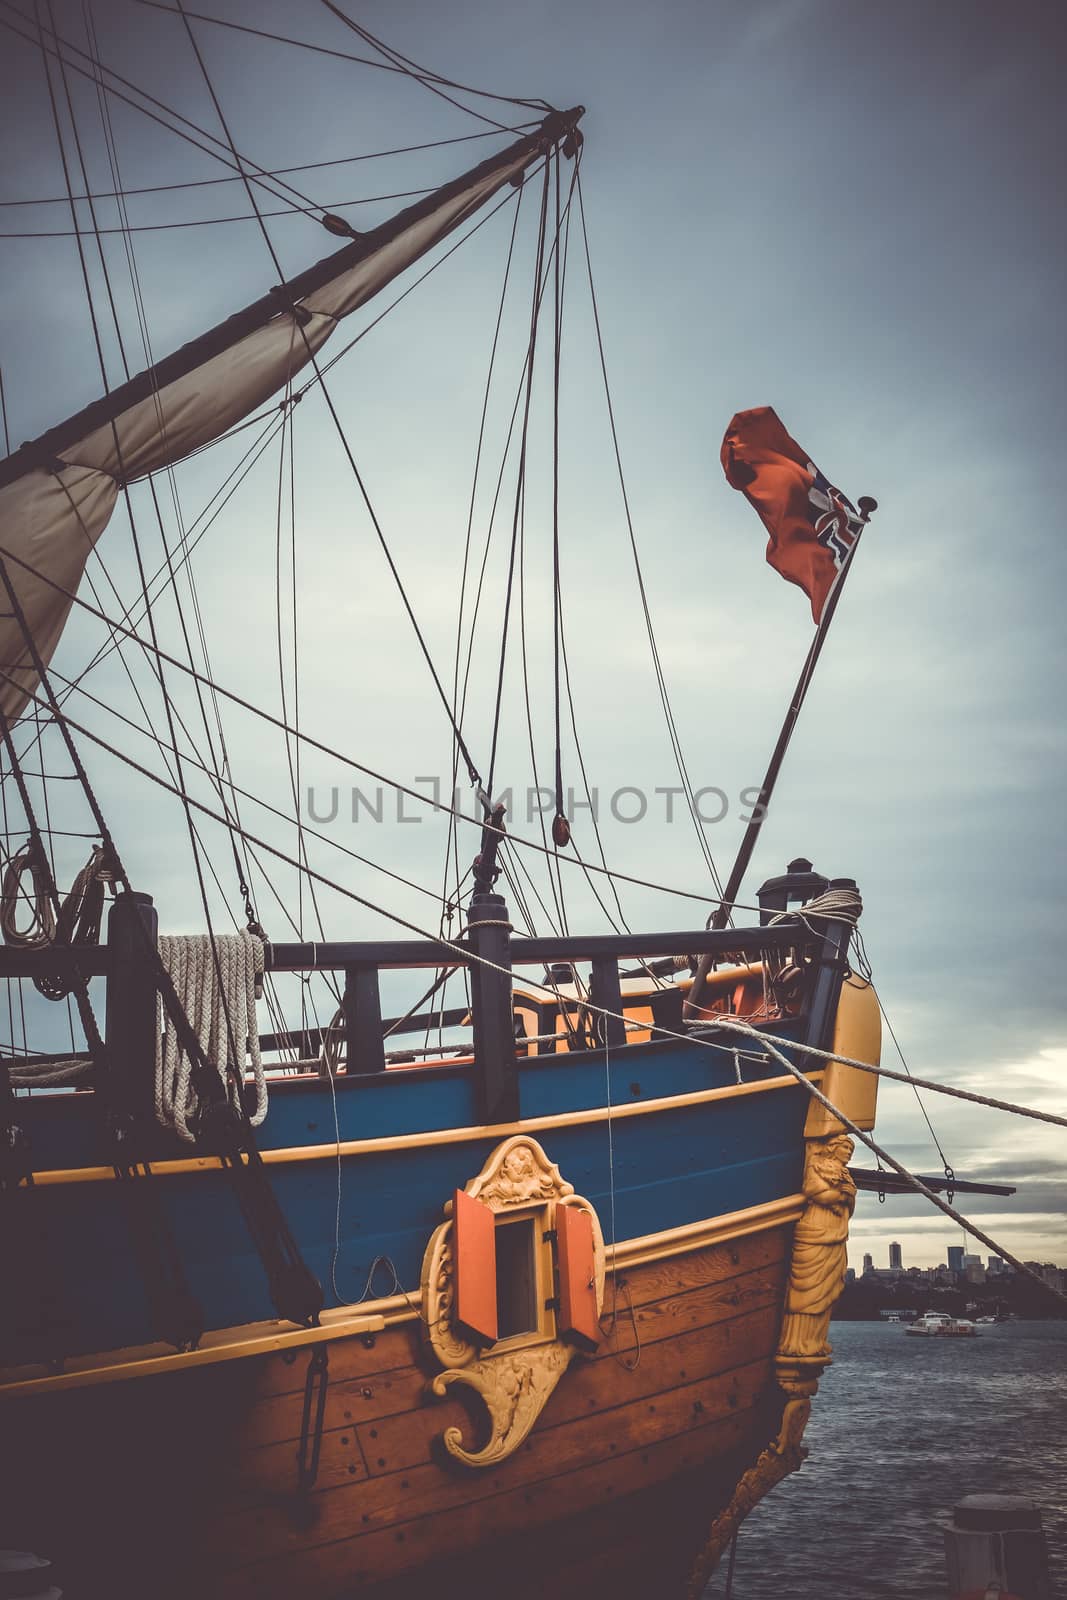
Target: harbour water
x=903, y=1428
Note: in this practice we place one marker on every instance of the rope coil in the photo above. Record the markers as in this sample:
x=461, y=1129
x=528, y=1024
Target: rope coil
x=216, y=1010
x=42, y=926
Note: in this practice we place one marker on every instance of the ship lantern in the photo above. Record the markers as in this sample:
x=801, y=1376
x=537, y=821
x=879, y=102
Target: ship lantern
x=796, y=885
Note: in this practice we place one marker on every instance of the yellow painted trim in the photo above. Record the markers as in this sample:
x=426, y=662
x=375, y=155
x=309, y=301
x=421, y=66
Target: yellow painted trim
x=699, y=1235
x=221, y=1344
x=858, y=1034
x=267, y=1338
x=414, y=1141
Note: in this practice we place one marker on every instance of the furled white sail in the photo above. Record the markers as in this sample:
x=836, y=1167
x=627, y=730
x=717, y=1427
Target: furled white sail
x=53, y=512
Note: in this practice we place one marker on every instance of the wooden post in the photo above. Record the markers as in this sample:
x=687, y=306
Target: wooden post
x=827, y=986
x=130, y=1018
x=995, y=1543
x=365, y=1047
x=606, y=990
x=496, y=1072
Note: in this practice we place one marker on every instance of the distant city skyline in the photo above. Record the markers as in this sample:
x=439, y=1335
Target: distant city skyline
x=932, y=1253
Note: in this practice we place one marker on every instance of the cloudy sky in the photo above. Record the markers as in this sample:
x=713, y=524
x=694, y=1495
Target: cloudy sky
x=847, y=211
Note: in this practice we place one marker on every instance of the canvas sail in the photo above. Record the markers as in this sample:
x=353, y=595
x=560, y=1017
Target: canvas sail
x=57, y=495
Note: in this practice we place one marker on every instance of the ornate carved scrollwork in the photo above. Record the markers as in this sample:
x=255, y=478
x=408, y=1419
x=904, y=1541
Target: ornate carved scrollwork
x=779, y=1459
x=515, y=1379
x=513, y=1386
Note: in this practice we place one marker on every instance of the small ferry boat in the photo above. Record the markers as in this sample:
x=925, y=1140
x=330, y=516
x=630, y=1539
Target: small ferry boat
x=936, y=1324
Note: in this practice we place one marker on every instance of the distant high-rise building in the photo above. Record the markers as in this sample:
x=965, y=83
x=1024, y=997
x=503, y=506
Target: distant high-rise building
x=868, y=1263
x=896, y=1260
x=955, y=1257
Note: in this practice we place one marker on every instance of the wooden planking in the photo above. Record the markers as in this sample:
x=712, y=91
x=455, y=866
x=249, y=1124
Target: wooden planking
x=713, y=1263
x=708, y=1320
x=348, y=1564
x=411, y=1484
x=401, y=1345
x=405, y=1440
x=593, y=1388
x=380, y=1394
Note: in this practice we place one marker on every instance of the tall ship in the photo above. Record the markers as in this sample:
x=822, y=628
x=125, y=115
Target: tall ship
x=590, y=1189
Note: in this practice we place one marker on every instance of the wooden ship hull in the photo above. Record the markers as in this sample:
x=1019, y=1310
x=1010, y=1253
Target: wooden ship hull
x=605, y=1397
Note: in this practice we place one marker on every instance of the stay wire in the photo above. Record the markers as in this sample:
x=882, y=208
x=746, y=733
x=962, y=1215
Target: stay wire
x=346, y=446
x=3, y=415
x=235, y=789
x=344, y=55
x=275, y=172
x=521, y=474
x=732, y=1025
x=556, y=595
x=429, y=80
x=452, y=866
x=949, y=1173
x=138, y=296
x=653, y=645
x=312, y=211
x=559, y=924
x=75, y=757
x=80, y=983
x=292, y=743
x=332, y=751
x=259, y=175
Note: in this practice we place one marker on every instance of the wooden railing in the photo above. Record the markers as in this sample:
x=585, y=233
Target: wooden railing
x=488, y=952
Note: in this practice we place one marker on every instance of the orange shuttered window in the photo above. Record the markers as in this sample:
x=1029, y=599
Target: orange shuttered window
x=474, y=1249
x=577, y=1276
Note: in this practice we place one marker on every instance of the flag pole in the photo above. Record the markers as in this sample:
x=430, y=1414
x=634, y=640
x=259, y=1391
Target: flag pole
x=721, y=916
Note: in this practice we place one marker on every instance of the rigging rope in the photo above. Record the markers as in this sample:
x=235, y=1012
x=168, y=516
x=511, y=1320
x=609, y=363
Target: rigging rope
x=772, y=1047
x=258, y=174
x=276, y=172
x=736, y=1025
x=349, y=761
x=431, y=80
x=672, y=727
x=363, y=61
x=219, y=1000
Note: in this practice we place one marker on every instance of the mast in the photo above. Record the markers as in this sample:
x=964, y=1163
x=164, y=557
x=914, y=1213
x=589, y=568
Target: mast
x=759, y=811
x=867, y=505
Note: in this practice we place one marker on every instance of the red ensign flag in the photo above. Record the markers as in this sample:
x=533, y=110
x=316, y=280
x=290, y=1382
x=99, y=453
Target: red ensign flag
x=812, y=525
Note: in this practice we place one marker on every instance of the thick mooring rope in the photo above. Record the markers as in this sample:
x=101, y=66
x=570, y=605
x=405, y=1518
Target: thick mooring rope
x=772, y=1048
x=737, y=1025
x=216, y=1011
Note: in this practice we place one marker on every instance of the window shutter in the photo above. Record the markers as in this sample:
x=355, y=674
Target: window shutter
x=474, y=1253
x=577, y=1276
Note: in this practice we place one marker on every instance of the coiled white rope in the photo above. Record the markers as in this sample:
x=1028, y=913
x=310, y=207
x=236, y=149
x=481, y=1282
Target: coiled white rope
x=217, y=1011
x=41, y=930
x=836, y=905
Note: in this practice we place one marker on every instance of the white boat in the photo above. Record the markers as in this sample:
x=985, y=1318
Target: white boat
x=936, y=1324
